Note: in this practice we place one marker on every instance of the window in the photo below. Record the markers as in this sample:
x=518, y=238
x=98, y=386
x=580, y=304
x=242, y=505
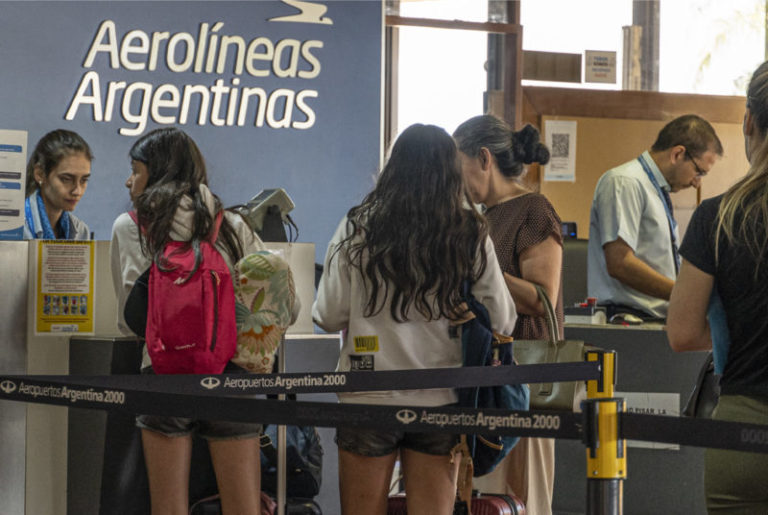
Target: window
x=441, y=76
x=705, y=46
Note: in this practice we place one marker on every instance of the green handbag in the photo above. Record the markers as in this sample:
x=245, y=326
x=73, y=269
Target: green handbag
x=562, y=396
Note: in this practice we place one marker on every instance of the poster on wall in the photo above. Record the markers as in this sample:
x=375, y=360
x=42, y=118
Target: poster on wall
x=64, y=287
x=560, y=138
x=600, y=66
x=276, y=94
x=13, y=176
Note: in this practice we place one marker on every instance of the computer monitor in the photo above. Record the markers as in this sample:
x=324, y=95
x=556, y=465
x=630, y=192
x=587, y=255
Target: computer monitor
x=569, y=230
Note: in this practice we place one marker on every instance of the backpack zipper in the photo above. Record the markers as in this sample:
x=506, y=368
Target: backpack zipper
x=215, y=281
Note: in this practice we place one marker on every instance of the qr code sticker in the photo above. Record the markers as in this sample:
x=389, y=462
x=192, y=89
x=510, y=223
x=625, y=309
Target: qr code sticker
x=560, y=145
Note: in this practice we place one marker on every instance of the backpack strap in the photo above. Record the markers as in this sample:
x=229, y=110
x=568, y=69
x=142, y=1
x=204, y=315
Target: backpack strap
x=216, y=223
x=216, y=226
x=466, y=472
x=135, y=218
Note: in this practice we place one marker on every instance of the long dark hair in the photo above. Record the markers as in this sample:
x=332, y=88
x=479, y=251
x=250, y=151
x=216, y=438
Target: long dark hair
x=414, y=238
x=512, y=150
x=176, y=168
x=50, y=150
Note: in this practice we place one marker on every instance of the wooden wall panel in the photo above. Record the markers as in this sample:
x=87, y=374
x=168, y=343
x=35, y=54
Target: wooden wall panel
x=614, y=127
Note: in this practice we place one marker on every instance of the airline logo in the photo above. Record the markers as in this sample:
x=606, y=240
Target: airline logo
x=8, y=386
x=210, y=382
x=406, y=416
x=309, y=12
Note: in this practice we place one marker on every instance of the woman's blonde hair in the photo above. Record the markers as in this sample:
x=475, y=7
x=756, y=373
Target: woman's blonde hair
x=743, y=211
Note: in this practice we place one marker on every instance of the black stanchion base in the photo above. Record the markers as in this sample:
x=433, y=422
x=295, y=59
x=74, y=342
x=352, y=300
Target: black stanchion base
x=605, y=496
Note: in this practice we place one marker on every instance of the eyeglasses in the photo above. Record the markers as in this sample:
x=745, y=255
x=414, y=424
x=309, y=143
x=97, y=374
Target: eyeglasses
x=699, y=171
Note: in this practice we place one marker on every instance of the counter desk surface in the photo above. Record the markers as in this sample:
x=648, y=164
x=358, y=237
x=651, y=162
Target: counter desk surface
x=645, y=364
x=644, y=360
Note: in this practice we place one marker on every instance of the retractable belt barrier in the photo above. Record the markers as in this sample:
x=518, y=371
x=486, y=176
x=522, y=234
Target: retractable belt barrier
x=230, y=397
x=220, y=397
x=327, y=382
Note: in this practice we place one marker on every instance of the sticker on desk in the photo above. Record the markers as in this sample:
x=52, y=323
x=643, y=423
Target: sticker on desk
x=646, y=403
x=366, y=343
x=360, y=363
x=64, y=285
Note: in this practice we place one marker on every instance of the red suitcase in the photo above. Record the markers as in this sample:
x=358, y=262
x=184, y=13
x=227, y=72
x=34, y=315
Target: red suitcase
x=485, y=504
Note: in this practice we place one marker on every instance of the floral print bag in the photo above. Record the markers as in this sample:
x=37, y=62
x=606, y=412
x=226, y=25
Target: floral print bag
x=265, y=295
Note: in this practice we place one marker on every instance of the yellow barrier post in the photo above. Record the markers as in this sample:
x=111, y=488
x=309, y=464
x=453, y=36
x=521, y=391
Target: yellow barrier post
x=602, y=388
x=606, y=452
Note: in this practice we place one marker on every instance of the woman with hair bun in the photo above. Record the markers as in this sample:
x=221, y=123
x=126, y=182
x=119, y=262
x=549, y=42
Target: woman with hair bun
x=526, y=233
x=57, y=176
x=725, y=249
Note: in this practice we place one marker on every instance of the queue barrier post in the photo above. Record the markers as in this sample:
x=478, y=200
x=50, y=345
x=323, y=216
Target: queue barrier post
x=603, y=387
x=606, y=452
x=282, y=441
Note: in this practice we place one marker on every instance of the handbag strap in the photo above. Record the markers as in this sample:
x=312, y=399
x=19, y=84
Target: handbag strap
x=549, y=314
x=545, y=389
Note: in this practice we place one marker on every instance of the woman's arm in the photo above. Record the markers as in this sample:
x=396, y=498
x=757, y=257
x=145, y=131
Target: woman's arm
x=332, y=306
x=687, y=326
x=540, y=264
x=127, y=263
x=490, y=291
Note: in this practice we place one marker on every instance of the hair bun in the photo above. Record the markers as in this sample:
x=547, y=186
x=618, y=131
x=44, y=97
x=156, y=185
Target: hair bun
x=528, y=147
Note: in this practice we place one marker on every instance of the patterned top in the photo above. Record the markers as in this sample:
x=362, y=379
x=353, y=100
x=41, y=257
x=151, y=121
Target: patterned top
x=516, y=225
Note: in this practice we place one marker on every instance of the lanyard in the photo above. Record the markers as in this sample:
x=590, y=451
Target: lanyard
x=47, y=229
x=664, y=196
x=28, y=216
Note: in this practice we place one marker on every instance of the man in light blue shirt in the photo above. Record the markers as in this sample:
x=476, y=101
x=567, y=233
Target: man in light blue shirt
x=633, y=238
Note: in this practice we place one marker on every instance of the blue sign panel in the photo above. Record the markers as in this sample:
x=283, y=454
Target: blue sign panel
x=277, y=94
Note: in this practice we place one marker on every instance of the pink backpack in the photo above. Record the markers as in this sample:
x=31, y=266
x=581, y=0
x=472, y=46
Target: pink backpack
x=191, y=326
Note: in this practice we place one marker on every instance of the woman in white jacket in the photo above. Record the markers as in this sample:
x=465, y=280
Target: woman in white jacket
x=391, y=282
x=168, y=188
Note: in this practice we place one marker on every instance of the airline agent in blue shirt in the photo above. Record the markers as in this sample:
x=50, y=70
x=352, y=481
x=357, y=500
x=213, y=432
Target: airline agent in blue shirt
x=633, y=238
x=57, y=177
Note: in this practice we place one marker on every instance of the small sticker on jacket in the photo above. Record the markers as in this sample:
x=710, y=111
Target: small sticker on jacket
x=366, y=343
x=364, y=362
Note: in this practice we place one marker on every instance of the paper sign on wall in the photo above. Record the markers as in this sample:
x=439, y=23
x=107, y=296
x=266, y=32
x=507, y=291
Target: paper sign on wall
x=64, y=287
x=560, y=137
x=13, y=176
x=600, y=66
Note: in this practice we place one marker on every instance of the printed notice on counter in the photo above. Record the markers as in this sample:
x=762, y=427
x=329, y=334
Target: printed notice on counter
x=560, y=137
x=13, y=174
x=64, y=287
x=645, y=403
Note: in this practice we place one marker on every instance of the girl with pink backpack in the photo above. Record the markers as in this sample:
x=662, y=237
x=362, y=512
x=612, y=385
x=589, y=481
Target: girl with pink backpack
x=173, y=206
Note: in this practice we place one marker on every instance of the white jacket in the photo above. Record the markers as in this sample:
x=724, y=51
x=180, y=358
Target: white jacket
x=415, y=344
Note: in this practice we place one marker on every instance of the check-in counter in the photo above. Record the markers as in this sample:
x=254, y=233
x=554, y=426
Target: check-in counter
x=13, y=360
x=43, y=452
x=661, y=478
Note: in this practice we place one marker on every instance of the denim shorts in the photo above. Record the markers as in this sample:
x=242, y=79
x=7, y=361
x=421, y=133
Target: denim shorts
x=208, y=429
x=373, y=443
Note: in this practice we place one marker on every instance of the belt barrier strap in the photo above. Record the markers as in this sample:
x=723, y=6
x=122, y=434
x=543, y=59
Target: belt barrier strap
x=321, y=382
x=695, y=432
x=543, y=424
x=240, y=409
